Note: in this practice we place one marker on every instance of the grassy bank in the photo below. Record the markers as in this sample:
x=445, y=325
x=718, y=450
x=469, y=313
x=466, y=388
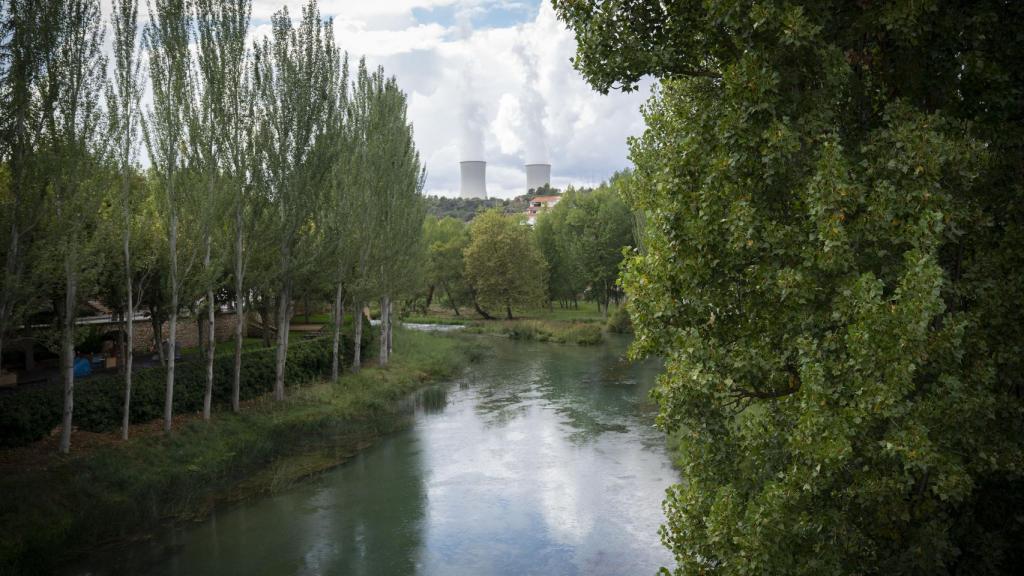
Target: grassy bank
x=117, y=491
x=584, y=325
x=559, y=331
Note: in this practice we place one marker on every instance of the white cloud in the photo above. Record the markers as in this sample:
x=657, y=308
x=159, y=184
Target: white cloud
x=449, y=64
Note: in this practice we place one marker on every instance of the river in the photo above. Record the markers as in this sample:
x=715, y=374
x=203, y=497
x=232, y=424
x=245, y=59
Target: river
x=541, y=459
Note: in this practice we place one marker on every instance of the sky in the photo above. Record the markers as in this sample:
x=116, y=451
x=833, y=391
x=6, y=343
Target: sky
x=487, y=80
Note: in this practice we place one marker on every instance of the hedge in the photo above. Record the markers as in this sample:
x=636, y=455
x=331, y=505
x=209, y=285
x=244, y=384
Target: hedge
x=29, y=414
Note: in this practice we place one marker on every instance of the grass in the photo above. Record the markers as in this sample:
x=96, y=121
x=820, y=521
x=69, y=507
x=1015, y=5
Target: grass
x=584, y=326
x=558, y=331
x=119, y=490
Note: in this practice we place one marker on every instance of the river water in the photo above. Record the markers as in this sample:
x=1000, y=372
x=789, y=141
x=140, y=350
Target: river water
x=541, y=459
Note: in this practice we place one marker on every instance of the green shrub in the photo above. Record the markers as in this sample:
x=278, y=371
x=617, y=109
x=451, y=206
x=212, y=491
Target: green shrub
x=619, y=322
x=27, y=415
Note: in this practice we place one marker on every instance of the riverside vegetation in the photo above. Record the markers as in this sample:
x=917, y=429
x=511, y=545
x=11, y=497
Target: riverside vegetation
x=117, y=490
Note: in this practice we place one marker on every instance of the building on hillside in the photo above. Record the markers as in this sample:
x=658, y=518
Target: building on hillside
x=539, y=204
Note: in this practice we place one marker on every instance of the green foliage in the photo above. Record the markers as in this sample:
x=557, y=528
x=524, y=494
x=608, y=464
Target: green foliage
x=557, y=331
x=27, y=415
x=466, y=209
x=446, y=240
x=72, y=505
x=583, y=238
x=832, y=217
x=504, y=267
x=619, y=322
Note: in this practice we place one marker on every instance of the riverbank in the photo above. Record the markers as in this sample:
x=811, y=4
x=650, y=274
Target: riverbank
x=54, y=509
x=584, y=325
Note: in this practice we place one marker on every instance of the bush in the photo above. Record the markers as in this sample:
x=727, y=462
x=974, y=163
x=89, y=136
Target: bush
x=619, y=322
x=27, y=415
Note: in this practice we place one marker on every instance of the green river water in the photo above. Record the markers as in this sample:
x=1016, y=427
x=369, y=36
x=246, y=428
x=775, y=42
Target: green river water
x=541, y=459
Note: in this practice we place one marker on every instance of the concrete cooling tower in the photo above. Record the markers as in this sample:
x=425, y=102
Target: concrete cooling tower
x=537, y=175
x=474, y=179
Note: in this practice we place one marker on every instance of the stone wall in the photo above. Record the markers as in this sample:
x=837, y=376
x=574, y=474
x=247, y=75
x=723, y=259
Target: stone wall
x=187, y=332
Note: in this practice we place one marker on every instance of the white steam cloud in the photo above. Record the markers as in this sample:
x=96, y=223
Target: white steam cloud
x=473, y=120
x=534, y=109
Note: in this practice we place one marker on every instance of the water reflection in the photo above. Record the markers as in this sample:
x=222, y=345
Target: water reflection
x=541, y=460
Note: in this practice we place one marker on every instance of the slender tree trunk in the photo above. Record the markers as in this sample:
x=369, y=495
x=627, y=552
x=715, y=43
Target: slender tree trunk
x=450, y=301
x=336, y=344
x=67, y=352
x=606, y=299
x=265, y=321
x=172, y=326
x=430, y=299
x=385, y=317
x=211, y=339
x=129, y=327
x=281, y=354
x=211, y=350
x=236, y=378
x=10, y=270
x=480, y=310
x=201, y=335
x=357, y=336
x=508, y=311
x=158, y=335
x=391, y=325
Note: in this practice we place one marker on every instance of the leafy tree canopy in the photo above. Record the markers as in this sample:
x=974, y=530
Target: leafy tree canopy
x=832, y=219
x=504, y=267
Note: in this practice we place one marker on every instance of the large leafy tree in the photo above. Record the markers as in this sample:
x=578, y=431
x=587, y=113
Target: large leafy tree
x=396, y=207
x=832, y=202
x=445, y=241
x=74, y=80
x=504, y=266
x=123, y=113
x=295, y=78
x=597, y=230
x=165, y=127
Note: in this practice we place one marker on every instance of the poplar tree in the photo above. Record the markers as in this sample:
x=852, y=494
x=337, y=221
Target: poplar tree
x=397, y=208
x=29, y=30
x=357, y=177
x=165, y=127
x=343, y=210
x=123, y=114
x=219, y=146
x=295, y=75
x=73, y=81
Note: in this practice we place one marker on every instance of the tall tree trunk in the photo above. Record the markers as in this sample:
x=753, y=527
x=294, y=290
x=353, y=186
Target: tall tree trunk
x=382, y=352
x=265, y=321
x=391, y=325
x=336, y=344
x=7, y=296
x=236, y=378
x=281, y=354
x=211, y=338
x=158, y=335
x=129, y=328
x=430, y=299
x=201, y=334
x=450, y=301
x=357, y=336
x=172, y=322
x=67, y=352
x=606, y=299
x=211, y=350
x=480, y=310
x=508, y=311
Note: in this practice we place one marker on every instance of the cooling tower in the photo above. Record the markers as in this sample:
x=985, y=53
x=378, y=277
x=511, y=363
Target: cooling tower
x=474, y=179
x=537, y=175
